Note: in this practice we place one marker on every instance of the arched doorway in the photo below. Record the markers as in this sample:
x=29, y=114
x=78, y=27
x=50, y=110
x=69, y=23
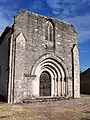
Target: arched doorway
x=57, y=72
x=45, y=84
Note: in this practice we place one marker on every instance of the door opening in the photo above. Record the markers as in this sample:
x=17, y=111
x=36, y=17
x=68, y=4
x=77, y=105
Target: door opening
x=45, y=84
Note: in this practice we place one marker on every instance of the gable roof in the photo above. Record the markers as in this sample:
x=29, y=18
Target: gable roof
x=85, y=75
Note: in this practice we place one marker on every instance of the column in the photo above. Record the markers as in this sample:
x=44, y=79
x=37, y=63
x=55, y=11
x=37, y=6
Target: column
x=59, y=87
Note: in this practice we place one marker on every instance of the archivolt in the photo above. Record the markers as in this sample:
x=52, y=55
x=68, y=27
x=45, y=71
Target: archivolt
x=54, y=64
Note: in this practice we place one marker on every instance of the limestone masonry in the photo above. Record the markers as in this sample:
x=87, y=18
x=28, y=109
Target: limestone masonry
x=38, y=58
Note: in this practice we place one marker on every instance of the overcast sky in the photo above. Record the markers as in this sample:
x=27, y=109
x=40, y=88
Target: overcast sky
x=76, y=12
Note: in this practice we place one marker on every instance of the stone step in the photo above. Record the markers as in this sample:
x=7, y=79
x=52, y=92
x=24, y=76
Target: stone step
x=44, y=99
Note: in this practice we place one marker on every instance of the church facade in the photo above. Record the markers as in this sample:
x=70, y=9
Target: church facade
x=39, y=58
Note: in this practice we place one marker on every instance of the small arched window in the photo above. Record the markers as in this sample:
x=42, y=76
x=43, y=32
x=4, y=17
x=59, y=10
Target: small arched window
x=49, y=31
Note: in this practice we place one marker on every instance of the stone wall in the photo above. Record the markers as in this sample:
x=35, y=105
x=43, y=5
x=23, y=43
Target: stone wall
x=4, y=63
x=85, y=82
x=33, y=28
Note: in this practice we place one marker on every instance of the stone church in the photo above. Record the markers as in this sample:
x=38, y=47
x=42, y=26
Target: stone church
x=39, y=58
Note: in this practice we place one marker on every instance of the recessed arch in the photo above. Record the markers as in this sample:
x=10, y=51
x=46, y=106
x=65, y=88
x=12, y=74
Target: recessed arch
x=54, y=58
x=57, y=70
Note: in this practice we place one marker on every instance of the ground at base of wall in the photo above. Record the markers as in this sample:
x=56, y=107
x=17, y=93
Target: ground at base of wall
x=72, y=109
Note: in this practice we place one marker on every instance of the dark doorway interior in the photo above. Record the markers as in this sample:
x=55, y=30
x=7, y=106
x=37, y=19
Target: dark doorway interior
x=45, y=84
